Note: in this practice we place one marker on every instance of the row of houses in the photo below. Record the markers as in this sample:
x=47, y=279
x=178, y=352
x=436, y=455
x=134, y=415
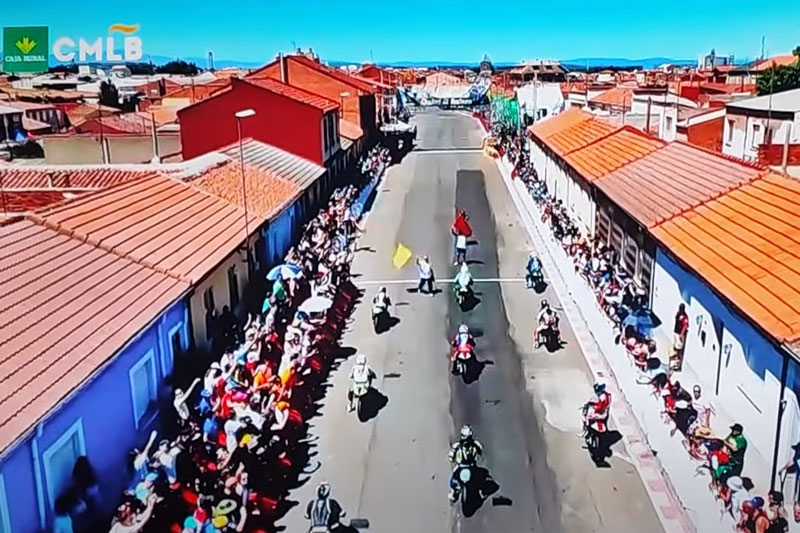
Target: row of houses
x=114, y=276
x=691, y=226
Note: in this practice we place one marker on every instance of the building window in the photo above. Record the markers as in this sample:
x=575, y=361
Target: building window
x=5, y=519
x=669, y=124
x=176, y=348
x=59, y=460
x=754, y=138
x=233, y=287
x=730, y=130
x=208, y=303
x=144, y=389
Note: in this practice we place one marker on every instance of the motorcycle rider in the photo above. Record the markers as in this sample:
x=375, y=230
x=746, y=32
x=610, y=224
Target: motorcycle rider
x=464, y=454
x=381, y=302
x=360, y=374
x=600, y=407
x=547, y=318
x=463, y=280
x=463, y=341
x=534, y=270
x=324, y=512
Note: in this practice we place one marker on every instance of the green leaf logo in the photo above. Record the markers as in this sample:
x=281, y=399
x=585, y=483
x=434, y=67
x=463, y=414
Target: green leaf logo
x=26, y=45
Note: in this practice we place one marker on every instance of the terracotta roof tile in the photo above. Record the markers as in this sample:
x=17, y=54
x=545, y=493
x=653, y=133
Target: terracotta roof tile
x=746, y=244
x=350, y=130
x=609, y=153
x=267, y=194
x=570, y=117
x=295, y=93
x=66, y=308
x=672, y=180
x=20, y=201
x=158, y=221
x=361, y=85
x=201, y=91
x=617, y=97
x=68, y=176
x=579, y=135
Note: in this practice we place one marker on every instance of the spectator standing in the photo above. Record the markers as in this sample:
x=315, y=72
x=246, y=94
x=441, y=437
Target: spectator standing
x=679, y=338
x=425, y=275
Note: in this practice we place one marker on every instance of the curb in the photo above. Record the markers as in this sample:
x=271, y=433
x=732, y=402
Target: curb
x=670, y=510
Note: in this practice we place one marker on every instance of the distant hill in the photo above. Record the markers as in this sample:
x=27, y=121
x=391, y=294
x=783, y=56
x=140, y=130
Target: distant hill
x=651, y=62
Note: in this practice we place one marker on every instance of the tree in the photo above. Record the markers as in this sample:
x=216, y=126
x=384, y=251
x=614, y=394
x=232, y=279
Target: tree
x=178, y=67
x=141, y=69
x=109, y=96
x=71, y=68
x=780, y=78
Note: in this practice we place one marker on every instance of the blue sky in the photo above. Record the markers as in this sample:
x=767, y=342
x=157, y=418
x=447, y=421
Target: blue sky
x=447, y=30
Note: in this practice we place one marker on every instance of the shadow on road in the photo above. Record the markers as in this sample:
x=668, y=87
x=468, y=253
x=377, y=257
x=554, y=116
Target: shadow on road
x=470, y=302
x=386, y=325
x=484, y=487
x=371, y=404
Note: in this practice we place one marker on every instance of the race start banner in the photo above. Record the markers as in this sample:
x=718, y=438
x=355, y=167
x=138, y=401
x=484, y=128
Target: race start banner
x=26, y=49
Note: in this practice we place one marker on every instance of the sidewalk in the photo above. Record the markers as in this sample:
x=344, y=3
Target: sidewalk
x=665, y=466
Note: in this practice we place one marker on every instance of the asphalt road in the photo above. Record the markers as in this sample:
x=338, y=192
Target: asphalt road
x=392, y=469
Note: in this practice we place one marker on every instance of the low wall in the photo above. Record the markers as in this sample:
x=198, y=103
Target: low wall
x=85, y=149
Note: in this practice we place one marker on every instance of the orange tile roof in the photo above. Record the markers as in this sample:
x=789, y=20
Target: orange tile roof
x=617, y=97
x=196, y=92
x=267, y=194
x=66, y=308
x=69, y=176
x=672, y=180
x=609, y=153
x=570, y=117
x=20, y=201
x=290, y=91
x=579, y=135
x=784, y=60
x=746, y=245
x=157, y=221
x=350, y=130
x=356, y=83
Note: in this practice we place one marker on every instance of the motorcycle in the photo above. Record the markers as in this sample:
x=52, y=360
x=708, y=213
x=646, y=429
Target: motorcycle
x=462, y=292
x=550, y=339
x=535, y=280
x=380, y=315
x=463, y=356
x=360, y=390
x=593, y=434
x=462, y=489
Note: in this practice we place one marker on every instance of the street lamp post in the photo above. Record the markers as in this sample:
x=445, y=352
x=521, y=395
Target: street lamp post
x=240, y=115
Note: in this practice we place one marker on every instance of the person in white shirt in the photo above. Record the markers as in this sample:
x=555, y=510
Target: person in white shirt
x=361, y=374
x=461, y=249
x=425, y=275
x=702, y=406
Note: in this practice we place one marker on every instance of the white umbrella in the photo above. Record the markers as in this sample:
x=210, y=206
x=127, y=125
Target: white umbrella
x=316, y=304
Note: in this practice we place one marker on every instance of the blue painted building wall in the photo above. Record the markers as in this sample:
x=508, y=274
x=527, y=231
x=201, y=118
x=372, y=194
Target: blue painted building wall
x=737, y=365
x=279, y=234
x=103, y=407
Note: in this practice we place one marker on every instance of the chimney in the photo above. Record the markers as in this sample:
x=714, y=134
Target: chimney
x=282, y=62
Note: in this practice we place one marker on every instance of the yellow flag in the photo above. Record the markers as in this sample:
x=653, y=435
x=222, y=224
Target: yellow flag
x=401, y=256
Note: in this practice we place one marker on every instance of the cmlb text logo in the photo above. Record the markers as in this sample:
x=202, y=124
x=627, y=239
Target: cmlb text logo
x=101, y=49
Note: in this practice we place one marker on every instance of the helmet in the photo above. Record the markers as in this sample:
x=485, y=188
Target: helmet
x=463, y=328
x=464, y=475
x=323, y=489
x=466, y=432
x=543, y=303
x=383, y=289
x=599, y=387
x=361, y=359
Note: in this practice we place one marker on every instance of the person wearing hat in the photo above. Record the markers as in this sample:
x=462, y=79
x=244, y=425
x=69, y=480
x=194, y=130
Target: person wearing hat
x=754, y=518
x=738, y=492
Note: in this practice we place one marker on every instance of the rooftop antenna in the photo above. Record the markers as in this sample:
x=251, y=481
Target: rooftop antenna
x=211, y=61
x=763, y=38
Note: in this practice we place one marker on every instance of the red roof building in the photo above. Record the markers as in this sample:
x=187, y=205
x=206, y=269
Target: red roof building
x=288, y=117
x=375, y=73
x=356, y=97
x=124, y=123
x=612, y=152
x=69, y=176
x=616, y=99
x=66, y=309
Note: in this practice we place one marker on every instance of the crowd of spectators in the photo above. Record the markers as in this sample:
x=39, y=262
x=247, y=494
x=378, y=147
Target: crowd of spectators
x=625, y=304
x=240, y=440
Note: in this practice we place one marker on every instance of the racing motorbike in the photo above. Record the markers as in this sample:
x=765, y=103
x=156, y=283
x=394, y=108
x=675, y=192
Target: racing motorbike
x=535, y=280
x=380, y=316
x=462, y=292
x=360, y=390
x=463, y=357
x=550, y=339
x=593, y=433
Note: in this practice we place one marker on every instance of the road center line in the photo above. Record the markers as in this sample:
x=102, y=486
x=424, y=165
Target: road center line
x=445, y=281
